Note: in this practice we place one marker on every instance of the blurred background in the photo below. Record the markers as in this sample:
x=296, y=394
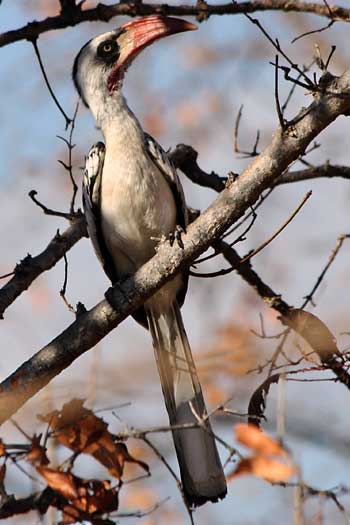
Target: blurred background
x=187, y=89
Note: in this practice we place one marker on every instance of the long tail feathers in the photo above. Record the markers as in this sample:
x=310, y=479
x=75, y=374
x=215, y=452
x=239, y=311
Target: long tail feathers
x=202, y=475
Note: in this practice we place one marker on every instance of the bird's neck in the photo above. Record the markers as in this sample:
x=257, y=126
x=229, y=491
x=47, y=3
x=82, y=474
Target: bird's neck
x=117, y=122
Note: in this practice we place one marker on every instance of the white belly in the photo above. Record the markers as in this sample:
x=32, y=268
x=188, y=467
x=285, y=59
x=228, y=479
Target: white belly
x=137, y=209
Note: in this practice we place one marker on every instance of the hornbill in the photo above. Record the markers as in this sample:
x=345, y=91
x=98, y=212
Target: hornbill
x=132, y=198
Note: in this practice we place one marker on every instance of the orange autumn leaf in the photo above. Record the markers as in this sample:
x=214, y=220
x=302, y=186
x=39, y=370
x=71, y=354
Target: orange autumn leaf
x=95, y=496
x=124, y=457
x=252, y=437
x=79, y=429
x=61, y=482
x=89, y=496
x=264, y=467
x=37, y=454
x=2, y=448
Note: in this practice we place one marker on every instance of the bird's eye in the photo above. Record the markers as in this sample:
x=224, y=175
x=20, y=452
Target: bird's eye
x=108, y=49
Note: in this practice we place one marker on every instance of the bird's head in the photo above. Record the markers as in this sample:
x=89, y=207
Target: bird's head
x=101, y=63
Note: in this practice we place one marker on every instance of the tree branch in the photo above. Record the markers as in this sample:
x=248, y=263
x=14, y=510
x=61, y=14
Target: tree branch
x=31, y=267
x=229, y=206
x=324, y=171
x=303, y=323
x=202, y=11
x=184, y=158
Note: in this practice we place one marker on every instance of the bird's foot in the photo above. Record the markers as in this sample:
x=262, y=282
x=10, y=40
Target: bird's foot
x=176, y=236
x=116, y=300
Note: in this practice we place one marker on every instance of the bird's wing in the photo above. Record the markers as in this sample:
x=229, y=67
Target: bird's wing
x=91, y=202
x=161, y=159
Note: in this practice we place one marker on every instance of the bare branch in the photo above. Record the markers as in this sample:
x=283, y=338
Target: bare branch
x=245, y=154
x=201, y=10
x=311, y=328
x=338, y=245
x=280, y=229
x=54, y=98
x=64, y=285
x=315, y=172
x=185, y=158
x=69, y=167
x=69, y=216
x=31, y=267
x=277, y=99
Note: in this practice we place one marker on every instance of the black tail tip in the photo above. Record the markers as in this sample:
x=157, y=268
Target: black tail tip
x=197, y=500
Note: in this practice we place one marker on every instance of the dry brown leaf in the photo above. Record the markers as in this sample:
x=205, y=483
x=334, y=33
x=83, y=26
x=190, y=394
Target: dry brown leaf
x=2, y=474
x=2, y=448
x=77, y=428
x=61, y=482
x=86, y=496
x=124, y=456
x=37, y=454
x=94, y=496
x=69, y=515
x=264, y=467
x=252, y=437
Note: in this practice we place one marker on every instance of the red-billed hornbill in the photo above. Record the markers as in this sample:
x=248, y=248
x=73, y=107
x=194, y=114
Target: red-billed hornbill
x=132, y=198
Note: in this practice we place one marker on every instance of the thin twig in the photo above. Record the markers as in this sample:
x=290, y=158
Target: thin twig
x=172, y=472
x=42, y=68
x=236, y=148
x=277, y=100
x=339, y=243
x=64, y=286
x=69, y=167
x=280, y=229
x=5, y=275
x=69, y=216
x=277, y=46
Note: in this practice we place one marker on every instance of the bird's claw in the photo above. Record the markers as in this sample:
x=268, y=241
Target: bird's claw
x=176, y=236
x=109, y=296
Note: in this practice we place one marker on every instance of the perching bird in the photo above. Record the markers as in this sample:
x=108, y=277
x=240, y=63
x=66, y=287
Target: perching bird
x=132, y=198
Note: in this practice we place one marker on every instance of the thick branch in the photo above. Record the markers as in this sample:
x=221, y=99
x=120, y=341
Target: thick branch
x=185, y=158
x=201, y=10
x=126, y=296
x=31, y=267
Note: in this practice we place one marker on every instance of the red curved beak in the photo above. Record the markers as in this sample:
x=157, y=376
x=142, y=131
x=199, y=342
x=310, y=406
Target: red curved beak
x=145, y=31
x=138, y=34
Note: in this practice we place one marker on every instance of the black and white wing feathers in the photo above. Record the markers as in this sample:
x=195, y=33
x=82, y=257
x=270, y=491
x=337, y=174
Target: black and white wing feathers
x=161, y=159
x=91, y=202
